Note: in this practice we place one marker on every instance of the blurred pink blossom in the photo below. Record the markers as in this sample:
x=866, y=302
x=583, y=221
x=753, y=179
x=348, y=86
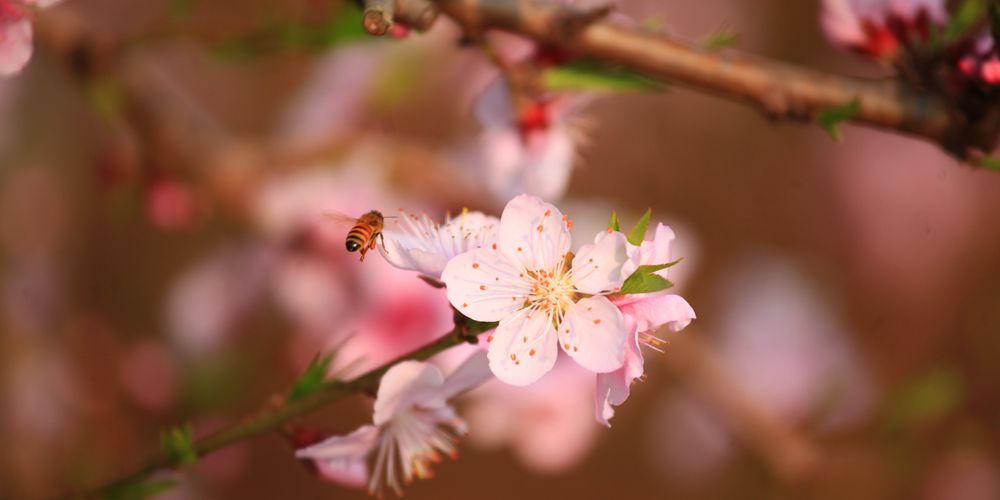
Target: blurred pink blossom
x=548, y=425
x=207, y=301
x=784, y=360
x=527, y=145
x=879, y=28
x=413, y=425
x=148, y=374
x=398, y=313
x=967, y=474
x=16, y=32
x=170, y=204
x=523, y=282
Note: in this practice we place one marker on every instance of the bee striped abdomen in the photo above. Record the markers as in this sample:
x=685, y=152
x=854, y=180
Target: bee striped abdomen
x=358, y=237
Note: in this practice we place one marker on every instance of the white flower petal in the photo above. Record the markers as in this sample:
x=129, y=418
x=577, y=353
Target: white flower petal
x=405, y=383
x=523, y=348
x=593, y=333
x=600, y=267
x=473, y=372
x=484, y=284
x=534, y=233
x=418, y=243
x=343, y=459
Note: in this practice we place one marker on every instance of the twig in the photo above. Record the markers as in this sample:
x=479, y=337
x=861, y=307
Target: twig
x=779, y=89
x=272, y=417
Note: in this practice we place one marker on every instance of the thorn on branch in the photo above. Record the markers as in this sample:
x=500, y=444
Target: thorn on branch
x=377, y=18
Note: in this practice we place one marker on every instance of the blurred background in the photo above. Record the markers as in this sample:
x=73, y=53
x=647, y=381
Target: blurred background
x=163, y=166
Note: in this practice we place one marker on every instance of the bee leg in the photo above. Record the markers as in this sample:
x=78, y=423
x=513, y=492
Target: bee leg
x=382, y=239
x=364, y=250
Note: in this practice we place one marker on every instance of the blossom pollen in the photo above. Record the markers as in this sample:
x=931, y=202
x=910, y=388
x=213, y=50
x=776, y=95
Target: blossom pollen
x=494, y=246
x=482, y=287
x=475, y=265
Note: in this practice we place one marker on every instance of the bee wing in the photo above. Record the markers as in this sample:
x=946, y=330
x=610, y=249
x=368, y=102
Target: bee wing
x=340, y=218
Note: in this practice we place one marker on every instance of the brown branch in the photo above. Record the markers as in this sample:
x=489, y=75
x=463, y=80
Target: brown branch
x=779, y=89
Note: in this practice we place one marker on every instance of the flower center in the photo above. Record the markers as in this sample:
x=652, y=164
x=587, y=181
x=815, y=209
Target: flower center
x=551, y=291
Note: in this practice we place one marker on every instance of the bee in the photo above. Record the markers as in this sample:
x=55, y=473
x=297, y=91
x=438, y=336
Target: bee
x=366, y=231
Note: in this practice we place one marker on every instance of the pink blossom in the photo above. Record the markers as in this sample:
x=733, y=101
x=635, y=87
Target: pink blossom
x=170, y=204
x=527, y=145
x=16, y=33
x=397, y=314
x=644, y=314
x=878, y=28
x=413, y=425
x=547, y=426
x=420, y=244
x=523, y=283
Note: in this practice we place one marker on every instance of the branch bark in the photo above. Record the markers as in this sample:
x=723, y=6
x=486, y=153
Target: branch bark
x=778, y=89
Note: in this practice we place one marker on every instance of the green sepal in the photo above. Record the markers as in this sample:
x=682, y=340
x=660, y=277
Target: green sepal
x=313, y=378
x=645, y=279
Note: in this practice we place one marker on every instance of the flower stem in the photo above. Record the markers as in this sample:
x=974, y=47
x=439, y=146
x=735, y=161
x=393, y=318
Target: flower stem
x=273, y=416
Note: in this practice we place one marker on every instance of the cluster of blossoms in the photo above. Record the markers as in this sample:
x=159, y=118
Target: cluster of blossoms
x=530, y=135
x=16, y=32
x=520, y=274
x=918, y=36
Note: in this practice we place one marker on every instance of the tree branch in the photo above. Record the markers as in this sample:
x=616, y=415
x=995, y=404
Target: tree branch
x=272, y=417
x=779, y=89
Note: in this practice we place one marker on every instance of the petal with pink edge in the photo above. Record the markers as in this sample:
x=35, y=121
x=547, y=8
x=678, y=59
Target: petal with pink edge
x=613, y=388
x=600, y=267
x=593, y=334
x=484, y=284
x=523, y=348
x=343, y=459
x=534, y=233
x=655, y=311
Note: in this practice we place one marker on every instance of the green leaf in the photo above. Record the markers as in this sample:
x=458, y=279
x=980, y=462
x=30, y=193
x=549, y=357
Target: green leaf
x=313, y=378
x=964, y=19
x=639, y=231
x=587, y=75
x=720, y=39
x=645, y=280
x=178, y=444
x=139, y=490
x=344, y=26
x=613, y=222
x=990, y=163
x=926, y=400
x=830, y=118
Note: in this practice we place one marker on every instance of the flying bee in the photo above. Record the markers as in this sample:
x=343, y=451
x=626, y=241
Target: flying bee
x=366, y=231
